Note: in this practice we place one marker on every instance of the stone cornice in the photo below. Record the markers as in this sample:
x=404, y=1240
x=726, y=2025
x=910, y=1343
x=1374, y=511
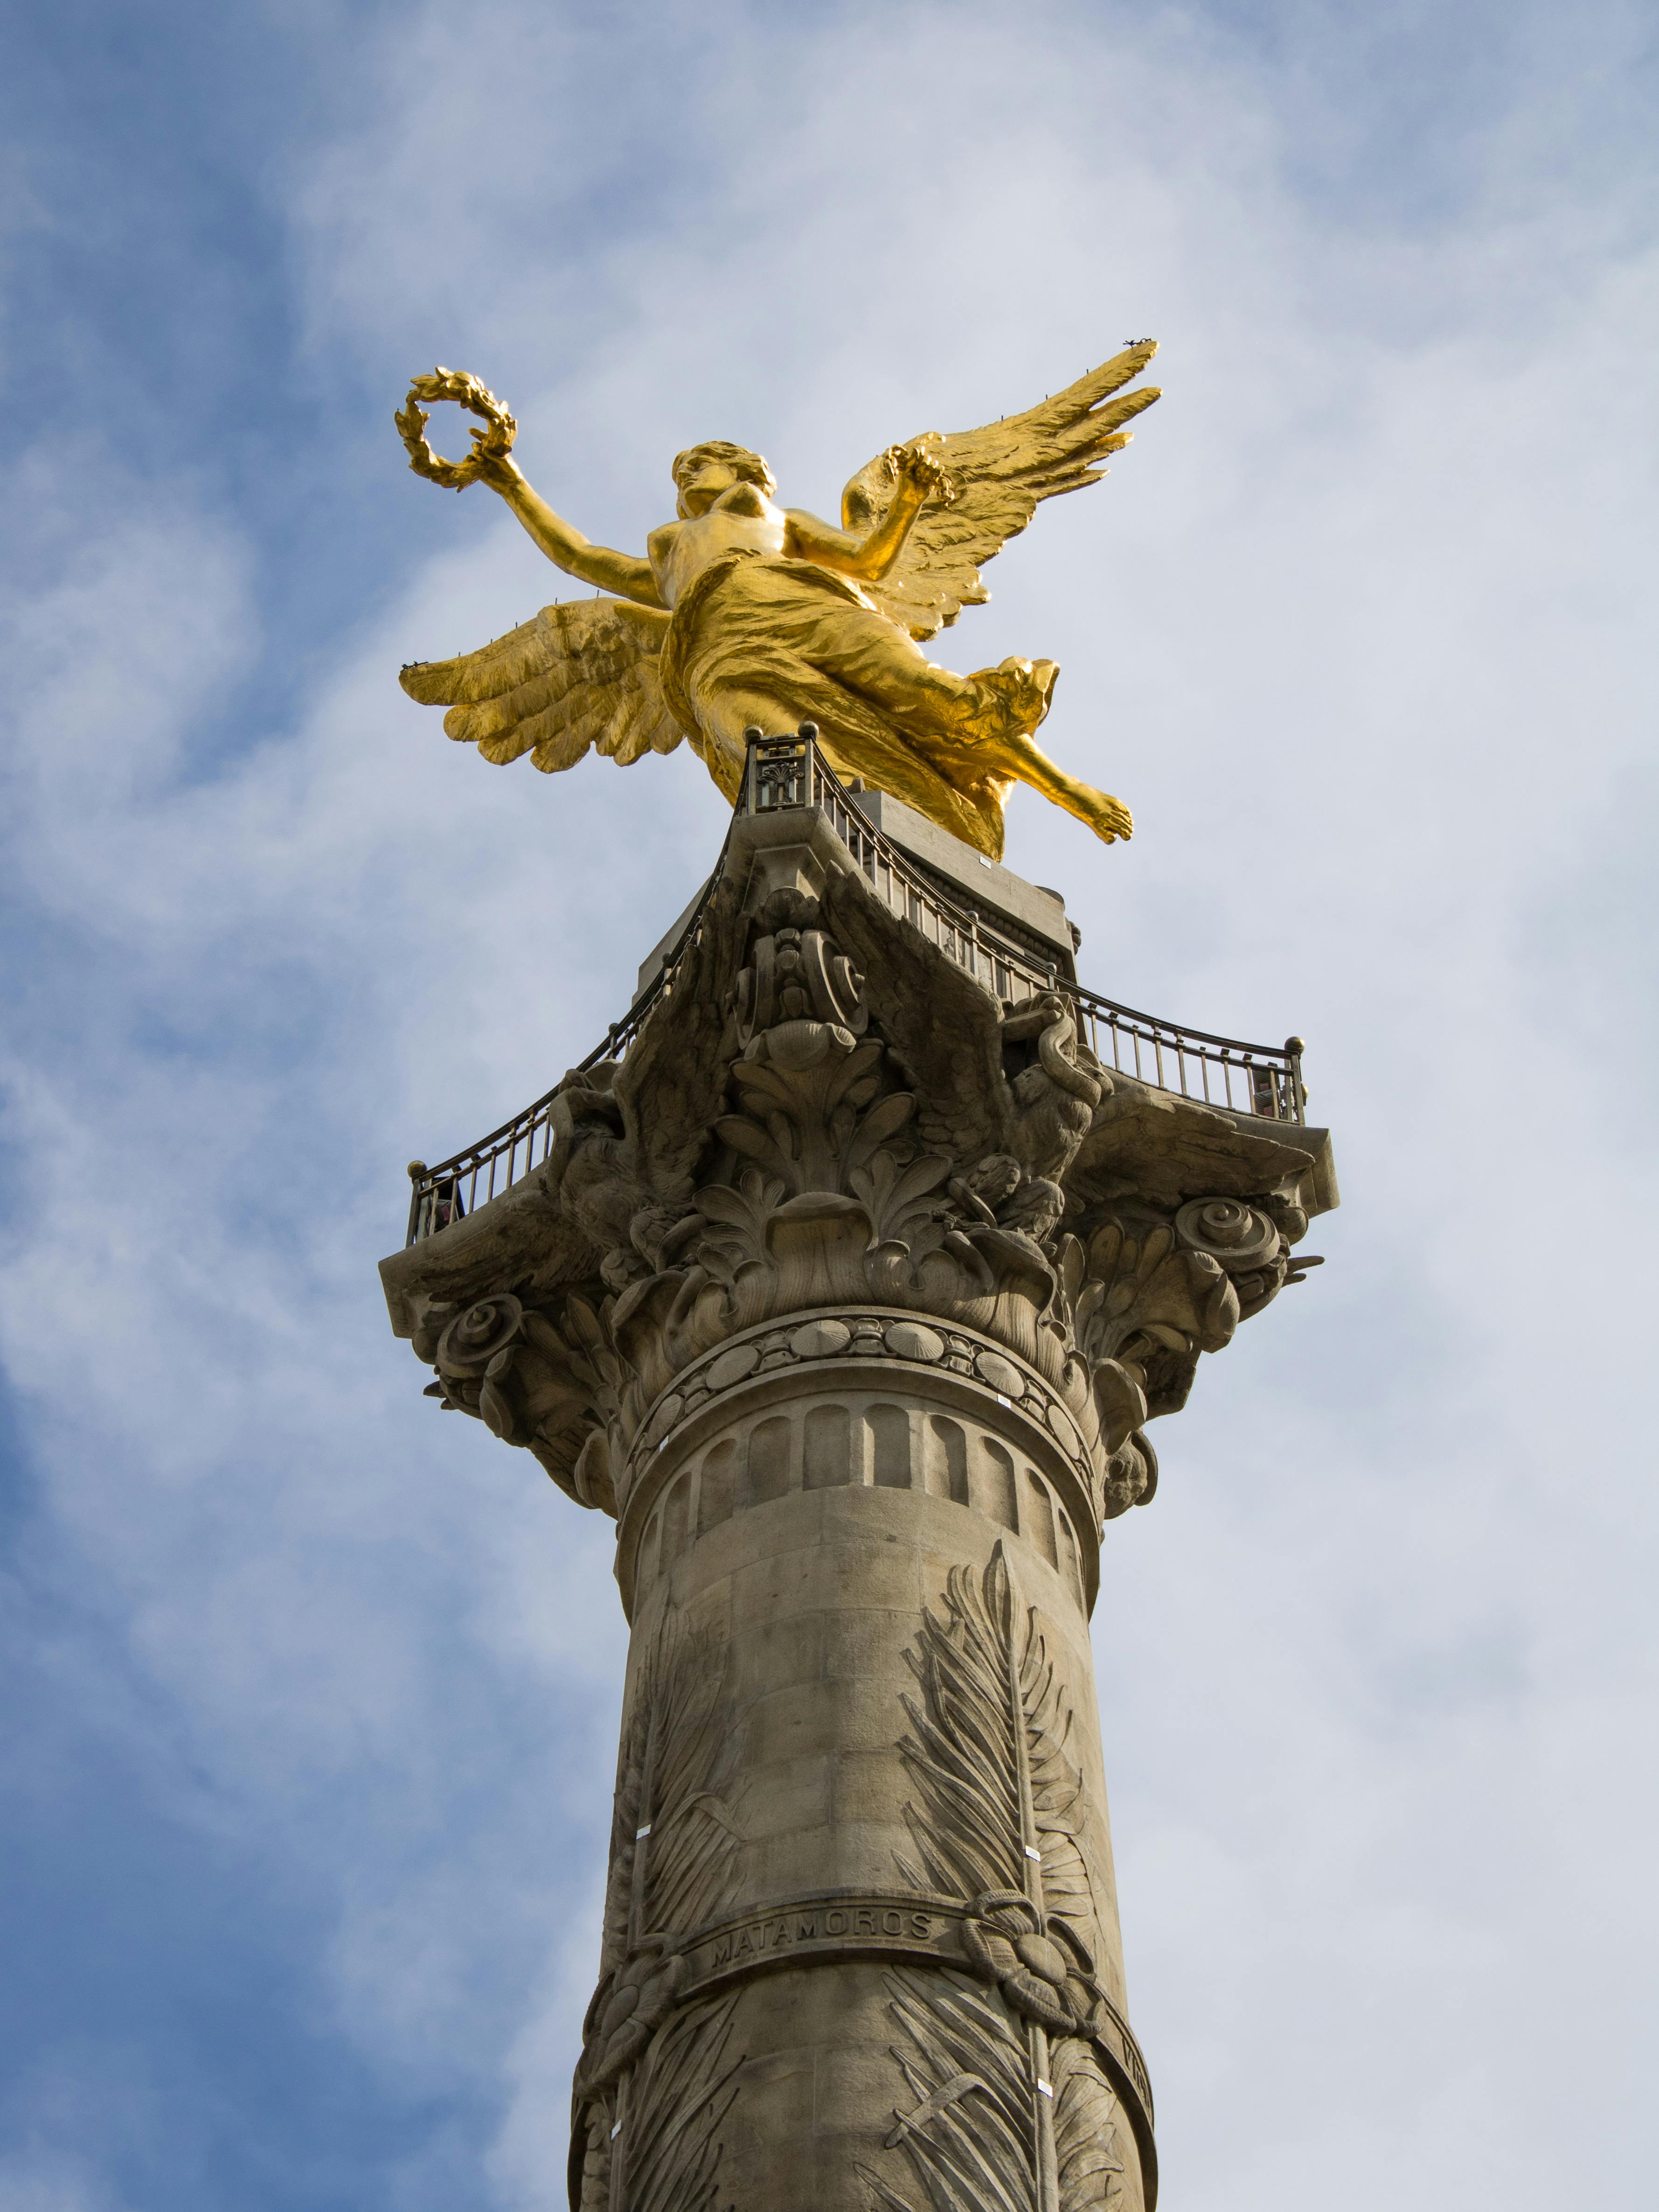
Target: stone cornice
x=825, y=1113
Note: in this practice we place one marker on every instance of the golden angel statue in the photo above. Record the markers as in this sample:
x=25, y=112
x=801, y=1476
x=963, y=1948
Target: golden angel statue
x=743, y=613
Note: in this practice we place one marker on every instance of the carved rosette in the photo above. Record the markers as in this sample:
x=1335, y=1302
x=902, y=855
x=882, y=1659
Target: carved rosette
x=833, y=1173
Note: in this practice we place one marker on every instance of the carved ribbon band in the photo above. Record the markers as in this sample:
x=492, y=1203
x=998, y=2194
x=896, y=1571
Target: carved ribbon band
x=887, y=1924
x=837, y=1923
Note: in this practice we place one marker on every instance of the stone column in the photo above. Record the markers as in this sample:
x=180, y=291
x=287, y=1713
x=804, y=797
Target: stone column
x=849, y=1293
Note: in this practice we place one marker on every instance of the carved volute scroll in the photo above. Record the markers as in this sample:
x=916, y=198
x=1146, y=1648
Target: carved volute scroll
x=850, y=1292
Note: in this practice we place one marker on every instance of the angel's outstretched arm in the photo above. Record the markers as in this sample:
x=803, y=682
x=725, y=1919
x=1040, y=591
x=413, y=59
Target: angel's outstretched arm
x=566, y=548
x=917, y=477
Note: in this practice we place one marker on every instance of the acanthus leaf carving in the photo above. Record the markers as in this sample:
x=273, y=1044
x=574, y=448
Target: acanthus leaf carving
x=1152, y=1305
x=547, y=1379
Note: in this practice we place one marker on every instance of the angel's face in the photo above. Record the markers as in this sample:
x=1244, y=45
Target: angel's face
x=705, y=474
x=701, y=484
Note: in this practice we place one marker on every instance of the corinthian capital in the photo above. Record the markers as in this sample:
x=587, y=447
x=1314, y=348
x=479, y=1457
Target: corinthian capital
x=826, y=1115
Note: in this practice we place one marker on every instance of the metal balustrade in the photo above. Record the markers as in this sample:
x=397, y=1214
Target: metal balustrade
x=787, y=773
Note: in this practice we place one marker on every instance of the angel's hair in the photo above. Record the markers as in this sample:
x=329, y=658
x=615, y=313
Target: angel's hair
x=749, y=466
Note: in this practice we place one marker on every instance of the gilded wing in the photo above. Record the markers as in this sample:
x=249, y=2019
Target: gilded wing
x=581, y=674
x=999, y=475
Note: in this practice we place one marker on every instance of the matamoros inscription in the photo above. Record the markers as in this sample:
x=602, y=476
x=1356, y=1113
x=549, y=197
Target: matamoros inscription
x=872, y=1922
x=891, y=1925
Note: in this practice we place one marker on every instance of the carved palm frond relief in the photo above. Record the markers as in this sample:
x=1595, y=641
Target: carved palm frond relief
x=674, y=1840
x=987, y=1752
x=1086, y=2137
x=624, y=1821
x=692, y=1867
x=694, y=1838
x=675, y=2103
x=1055, y=1784
x=969, y=2127
x=590, y=2176
x=962, y=1754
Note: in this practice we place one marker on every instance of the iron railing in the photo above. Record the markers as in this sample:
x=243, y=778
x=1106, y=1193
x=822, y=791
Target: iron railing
x=786, y=773
x=471, y=1178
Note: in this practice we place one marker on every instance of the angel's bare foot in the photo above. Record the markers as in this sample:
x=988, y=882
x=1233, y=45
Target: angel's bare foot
x=1108, y=818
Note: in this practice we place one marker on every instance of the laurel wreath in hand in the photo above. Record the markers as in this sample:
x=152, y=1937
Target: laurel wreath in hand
x=493, y=443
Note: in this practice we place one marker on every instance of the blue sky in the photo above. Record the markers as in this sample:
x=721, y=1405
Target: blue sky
x=311, y=1698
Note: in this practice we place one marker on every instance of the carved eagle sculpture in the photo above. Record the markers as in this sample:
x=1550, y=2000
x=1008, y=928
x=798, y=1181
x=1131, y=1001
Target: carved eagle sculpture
x=599, y=673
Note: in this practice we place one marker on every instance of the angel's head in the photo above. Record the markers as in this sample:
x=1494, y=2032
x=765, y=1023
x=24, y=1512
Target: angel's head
x=702, y=473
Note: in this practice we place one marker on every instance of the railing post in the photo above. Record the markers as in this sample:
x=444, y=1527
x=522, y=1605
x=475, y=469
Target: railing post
x=416, y=1171
x=812, y=766
x=749, y=802
x=1294, y=1049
